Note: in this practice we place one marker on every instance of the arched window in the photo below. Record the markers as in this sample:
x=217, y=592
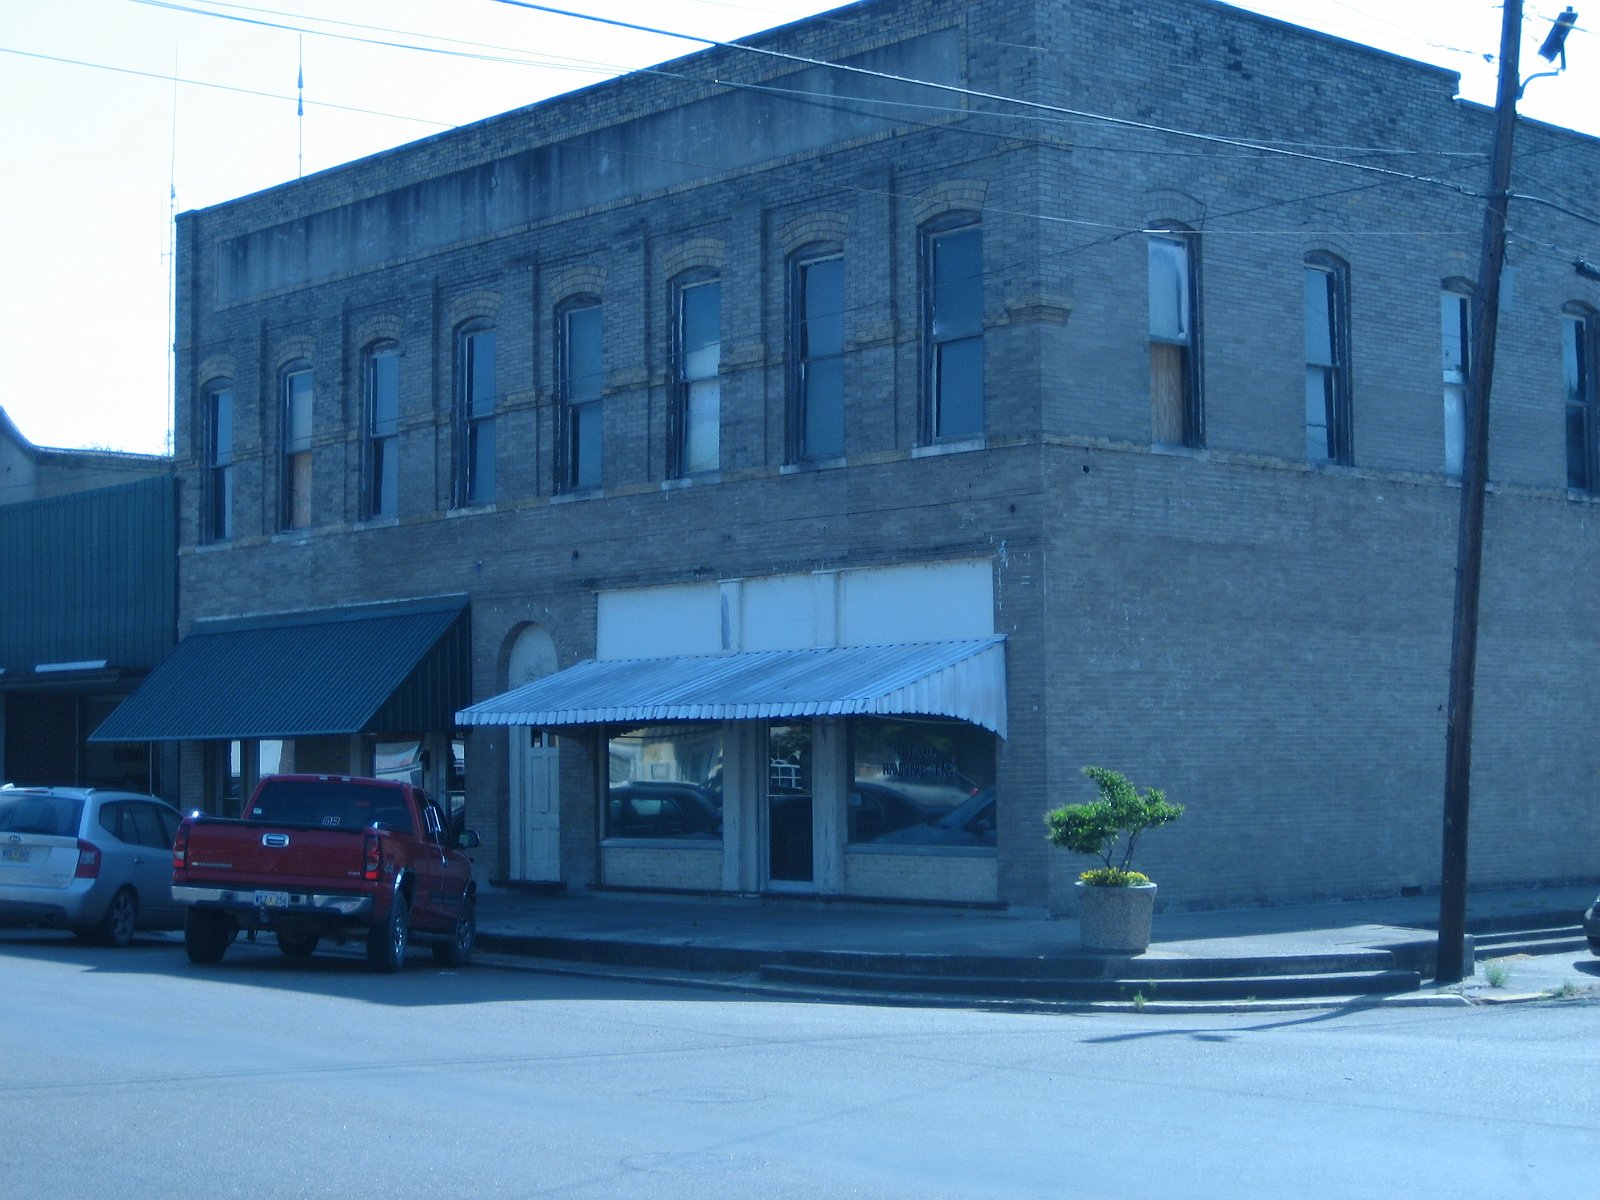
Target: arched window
x=297, y=408
x=1455, y=332
x=1580, y=361
x=1327, y=330
x=580, y=386
x=952, y=329
x=697, y=359
x=476, y=399
x=217, y=523
x=816, y=354
x=380, y=372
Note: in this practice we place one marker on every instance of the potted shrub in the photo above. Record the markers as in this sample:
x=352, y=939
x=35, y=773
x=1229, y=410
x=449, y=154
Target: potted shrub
x=1115, y=902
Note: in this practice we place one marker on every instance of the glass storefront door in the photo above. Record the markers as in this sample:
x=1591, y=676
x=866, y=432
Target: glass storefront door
x=791, y=806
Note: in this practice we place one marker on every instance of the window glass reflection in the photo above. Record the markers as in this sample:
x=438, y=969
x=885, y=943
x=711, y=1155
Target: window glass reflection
x=665, y=782
x=921, y=782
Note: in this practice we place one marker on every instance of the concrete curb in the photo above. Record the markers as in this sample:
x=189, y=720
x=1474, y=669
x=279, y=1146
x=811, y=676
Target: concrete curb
x=749, y=986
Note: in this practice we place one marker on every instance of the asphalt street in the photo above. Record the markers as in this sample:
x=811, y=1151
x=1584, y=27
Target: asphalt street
x=138, y=1075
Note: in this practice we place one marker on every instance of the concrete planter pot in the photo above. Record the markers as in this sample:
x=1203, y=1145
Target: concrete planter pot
x=1116, y=920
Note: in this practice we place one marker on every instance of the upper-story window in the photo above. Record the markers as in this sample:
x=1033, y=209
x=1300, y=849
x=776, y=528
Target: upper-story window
x=1176, y=414
x=579, y=359
x=816, y=356
x=295, y=475
x=381, y=371
x=476, y=395
x=1455, y=339
x=1580, y=358
x=952, y=330
x=218, y=523
x=1327, y=328
x=698, y=358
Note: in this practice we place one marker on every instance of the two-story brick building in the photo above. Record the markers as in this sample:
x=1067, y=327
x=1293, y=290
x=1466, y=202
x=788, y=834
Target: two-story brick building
x=794, y=463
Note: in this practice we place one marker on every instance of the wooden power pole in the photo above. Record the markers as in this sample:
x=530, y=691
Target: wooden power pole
x=1469, y=543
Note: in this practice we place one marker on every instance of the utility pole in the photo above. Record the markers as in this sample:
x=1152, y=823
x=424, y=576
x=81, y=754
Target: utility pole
x=1469, y=543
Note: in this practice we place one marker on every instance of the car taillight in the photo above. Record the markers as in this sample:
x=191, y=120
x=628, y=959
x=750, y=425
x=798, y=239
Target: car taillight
x=88, y=860
x=180, y=848
x=371, y=855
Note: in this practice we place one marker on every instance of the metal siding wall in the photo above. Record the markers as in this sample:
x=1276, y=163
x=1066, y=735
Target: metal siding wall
x=90, y=576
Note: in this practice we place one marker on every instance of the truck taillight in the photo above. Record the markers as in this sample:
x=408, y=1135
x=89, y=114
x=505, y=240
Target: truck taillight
x=180, y=848
x=371, y=855
x=88, y=860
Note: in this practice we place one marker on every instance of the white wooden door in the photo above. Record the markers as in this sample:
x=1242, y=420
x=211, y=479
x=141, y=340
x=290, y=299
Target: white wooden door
x=535, y=808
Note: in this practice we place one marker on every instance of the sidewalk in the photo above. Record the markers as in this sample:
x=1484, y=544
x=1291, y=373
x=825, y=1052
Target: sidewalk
x=799, y=945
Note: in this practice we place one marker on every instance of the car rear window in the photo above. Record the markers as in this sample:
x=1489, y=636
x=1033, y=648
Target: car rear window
x=330, y=803
x=53, y=816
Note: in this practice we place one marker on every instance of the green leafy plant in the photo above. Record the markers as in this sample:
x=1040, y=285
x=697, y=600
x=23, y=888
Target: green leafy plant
x=1497, y=972
x=1111, y=823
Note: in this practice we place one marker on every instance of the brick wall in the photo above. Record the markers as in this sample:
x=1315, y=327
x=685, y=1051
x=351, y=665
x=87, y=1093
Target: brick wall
x=1264, y=637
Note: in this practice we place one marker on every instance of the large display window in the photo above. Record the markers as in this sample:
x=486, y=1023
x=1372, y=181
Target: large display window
x=921, y=782
x=665, y=783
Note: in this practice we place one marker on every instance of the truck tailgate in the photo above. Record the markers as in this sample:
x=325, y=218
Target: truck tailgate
x=273, y=856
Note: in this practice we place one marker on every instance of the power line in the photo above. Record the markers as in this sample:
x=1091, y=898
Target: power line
x=221, y=87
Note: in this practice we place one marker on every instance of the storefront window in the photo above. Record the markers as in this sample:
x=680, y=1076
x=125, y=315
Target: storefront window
x=921, y=782
x=665, y=782
x=398, y=760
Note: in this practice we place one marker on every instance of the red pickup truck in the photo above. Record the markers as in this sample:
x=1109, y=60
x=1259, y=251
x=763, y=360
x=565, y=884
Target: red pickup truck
x=328, y=856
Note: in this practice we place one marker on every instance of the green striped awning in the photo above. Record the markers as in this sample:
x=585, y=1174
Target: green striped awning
x=388, y=668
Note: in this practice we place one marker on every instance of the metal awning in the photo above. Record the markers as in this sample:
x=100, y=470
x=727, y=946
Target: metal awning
x=388, y=668
x=966, y=680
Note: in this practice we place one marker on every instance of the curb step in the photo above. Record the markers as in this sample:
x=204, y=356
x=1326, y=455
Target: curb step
x=1231, y=987
x=1564, y=939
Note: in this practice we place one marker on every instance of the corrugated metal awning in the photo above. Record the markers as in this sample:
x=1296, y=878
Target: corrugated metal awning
x=966, y=680
x=390, y=668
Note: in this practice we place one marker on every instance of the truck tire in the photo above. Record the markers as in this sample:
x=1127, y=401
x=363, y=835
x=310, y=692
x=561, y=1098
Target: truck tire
x=302, y=946
x=386, y=943
x=457, y=952
x=206, y=936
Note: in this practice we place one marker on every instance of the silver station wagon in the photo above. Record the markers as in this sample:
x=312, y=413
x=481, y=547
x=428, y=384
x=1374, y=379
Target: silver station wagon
x=94, y=861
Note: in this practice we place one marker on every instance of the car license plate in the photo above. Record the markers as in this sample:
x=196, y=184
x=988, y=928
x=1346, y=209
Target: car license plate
x=272, y=899
x=15, y=854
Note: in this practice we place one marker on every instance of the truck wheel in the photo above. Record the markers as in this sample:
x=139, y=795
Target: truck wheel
x=298, y=947
x=457, y=952
x=206, y=936
x=386, y=943
x=122, y=915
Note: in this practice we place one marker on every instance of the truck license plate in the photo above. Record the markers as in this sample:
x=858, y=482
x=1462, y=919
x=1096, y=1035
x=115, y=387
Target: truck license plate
x=272, y=899
x=15, y=854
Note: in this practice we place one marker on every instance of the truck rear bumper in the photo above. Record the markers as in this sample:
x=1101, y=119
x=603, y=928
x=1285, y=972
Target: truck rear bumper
x=267, y=907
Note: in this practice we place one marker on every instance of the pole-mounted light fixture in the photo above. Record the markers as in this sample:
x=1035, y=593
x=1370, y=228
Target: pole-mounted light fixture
x=1554, y=47
x=1555, y=43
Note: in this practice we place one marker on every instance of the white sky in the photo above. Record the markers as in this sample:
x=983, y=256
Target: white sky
x=92, y=155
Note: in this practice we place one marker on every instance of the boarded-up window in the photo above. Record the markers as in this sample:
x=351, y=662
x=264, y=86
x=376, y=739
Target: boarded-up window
x=1174, y=376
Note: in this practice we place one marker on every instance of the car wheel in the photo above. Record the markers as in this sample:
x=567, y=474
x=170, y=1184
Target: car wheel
x=457, y=952
x=122, y=915
x=1594, y=945
x=206, y=936
x=298, y=947
x=386, y=943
